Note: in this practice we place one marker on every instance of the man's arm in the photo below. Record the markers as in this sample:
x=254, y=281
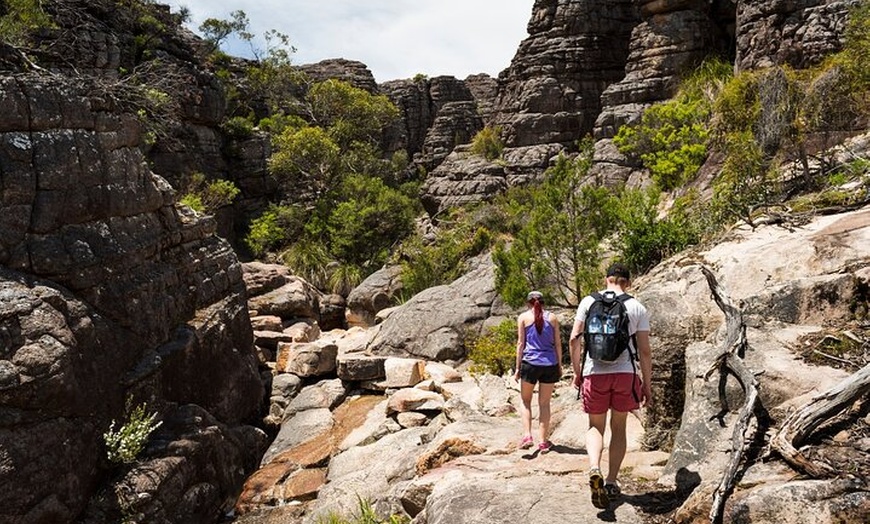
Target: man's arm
x=575, y=346
x=645, y=355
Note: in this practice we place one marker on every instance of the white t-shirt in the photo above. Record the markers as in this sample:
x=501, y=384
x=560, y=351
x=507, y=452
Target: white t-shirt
x=638, y=320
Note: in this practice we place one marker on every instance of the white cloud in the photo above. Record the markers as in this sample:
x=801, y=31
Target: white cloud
x=394, y=38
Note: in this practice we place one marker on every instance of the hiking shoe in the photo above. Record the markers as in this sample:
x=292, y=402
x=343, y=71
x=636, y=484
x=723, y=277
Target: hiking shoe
x=544, y=447
x=527, y=442
x=612, y=490
x=600, y=499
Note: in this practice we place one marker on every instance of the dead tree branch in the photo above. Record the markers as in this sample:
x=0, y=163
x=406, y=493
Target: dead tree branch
x=800, y=424
x=730, y=360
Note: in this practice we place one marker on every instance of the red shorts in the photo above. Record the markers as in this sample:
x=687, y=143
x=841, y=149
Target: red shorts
x=611, y=391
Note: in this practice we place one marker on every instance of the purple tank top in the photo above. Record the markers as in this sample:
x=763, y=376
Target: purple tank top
x=540, y=347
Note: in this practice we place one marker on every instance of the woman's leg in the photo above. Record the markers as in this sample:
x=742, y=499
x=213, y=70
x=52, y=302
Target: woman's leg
x=545, y=393
x=526, y=390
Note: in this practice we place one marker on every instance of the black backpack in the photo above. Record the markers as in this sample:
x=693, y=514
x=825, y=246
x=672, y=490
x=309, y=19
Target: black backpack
x=605, y=331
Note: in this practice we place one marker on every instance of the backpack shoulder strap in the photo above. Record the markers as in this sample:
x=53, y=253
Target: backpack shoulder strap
x=625, y=297
x=596, y=296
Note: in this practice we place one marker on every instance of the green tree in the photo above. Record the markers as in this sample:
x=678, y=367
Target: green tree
x=557, y=250
x=370, y=218
x=216, y=30
x=307, y=157
x=645, y=236
x=349, y=114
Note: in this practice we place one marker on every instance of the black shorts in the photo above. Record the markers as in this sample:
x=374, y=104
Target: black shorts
x=545, y=374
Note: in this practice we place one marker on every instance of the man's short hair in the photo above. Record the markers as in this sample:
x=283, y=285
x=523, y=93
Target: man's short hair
x=619, y=270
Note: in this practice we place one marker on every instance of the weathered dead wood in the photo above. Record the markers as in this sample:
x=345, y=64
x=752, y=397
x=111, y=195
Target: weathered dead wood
x=800, y=424
x=730, y=360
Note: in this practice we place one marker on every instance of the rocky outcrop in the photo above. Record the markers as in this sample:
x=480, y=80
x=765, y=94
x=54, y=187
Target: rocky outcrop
x=119, y=294
x=799, y=34
x=435, y=323
x=437, y=115
x=463, y=178
x=551, y=92
x=353, y=72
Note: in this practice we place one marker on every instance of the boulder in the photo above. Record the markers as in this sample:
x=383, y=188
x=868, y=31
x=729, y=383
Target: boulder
x=295, y=299
x=434, y=324
x=356, y=367
x=306, y=359
x=412, y=399
x=376, y=292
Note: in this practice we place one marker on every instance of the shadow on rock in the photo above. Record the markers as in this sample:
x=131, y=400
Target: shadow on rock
x=657, y=502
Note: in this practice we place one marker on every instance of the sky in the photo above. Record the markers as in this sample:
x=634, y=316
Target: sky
x=395, y=38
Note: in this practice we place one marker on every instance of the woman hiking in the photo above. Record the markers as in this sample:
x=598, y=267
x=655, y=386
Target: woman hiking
x=539, y=359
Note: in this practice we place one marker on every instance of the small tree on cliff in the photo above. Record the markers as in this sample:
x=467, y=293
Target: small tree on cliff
x=557, y=248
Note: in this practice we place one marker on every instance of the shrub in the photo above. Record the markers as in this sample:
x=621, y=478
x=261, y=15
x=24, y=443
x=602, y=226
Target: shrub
x=366, y=515
x=274, y=228
x=495, y=351
x=238, y=127
x=671, y=137
x=747, y=181
x=208, y=197
x=20, y=18
x=644, y=238
x=125, y=444
x=487, y=143
x=670, y=140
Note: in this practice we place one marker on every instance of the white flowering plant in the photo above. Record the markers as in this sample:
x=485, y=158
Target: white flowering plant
x=125, y=444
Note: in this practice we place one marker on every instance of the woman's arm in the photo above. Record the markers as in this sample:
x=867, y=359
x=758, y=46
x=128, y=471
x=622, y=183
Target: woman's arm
x=521, y=344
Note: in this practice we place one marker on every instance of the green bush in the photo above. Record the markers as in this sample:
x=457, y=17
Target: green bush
x=671, y=137
x=670, y=140
x=495, y=351
x=208, y=197
x=238, y=127
x=644, y=237
x=125, y=444
x=487, y=143
x=274, y=228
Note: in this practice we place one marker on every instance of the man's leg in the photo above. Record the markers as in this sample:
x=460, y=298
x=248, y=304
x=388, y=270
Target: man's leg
x=595, y=439
x=617, y=447
x=594, y=445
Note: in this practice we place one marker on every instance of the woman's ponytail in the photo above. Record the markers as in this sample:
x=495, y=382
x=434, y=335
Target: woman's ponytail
x=539, y=314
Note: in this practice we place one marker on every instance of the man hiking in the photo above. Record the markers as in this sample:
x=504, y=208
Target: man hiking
x=610, y=334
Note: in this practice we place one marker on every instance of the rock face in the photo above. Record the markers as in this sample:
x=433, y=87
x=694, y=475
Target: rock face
x=800, y=34
x=112, y=292
x=551, y=92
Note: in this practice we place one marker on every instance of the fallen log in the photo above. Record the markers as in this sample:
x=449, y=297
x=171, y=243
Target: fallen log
x=730, y=360
x=797, y=428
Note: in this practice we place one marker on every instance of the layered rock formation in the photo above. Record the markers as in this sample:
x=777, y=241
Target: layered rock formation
x=111, y=293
